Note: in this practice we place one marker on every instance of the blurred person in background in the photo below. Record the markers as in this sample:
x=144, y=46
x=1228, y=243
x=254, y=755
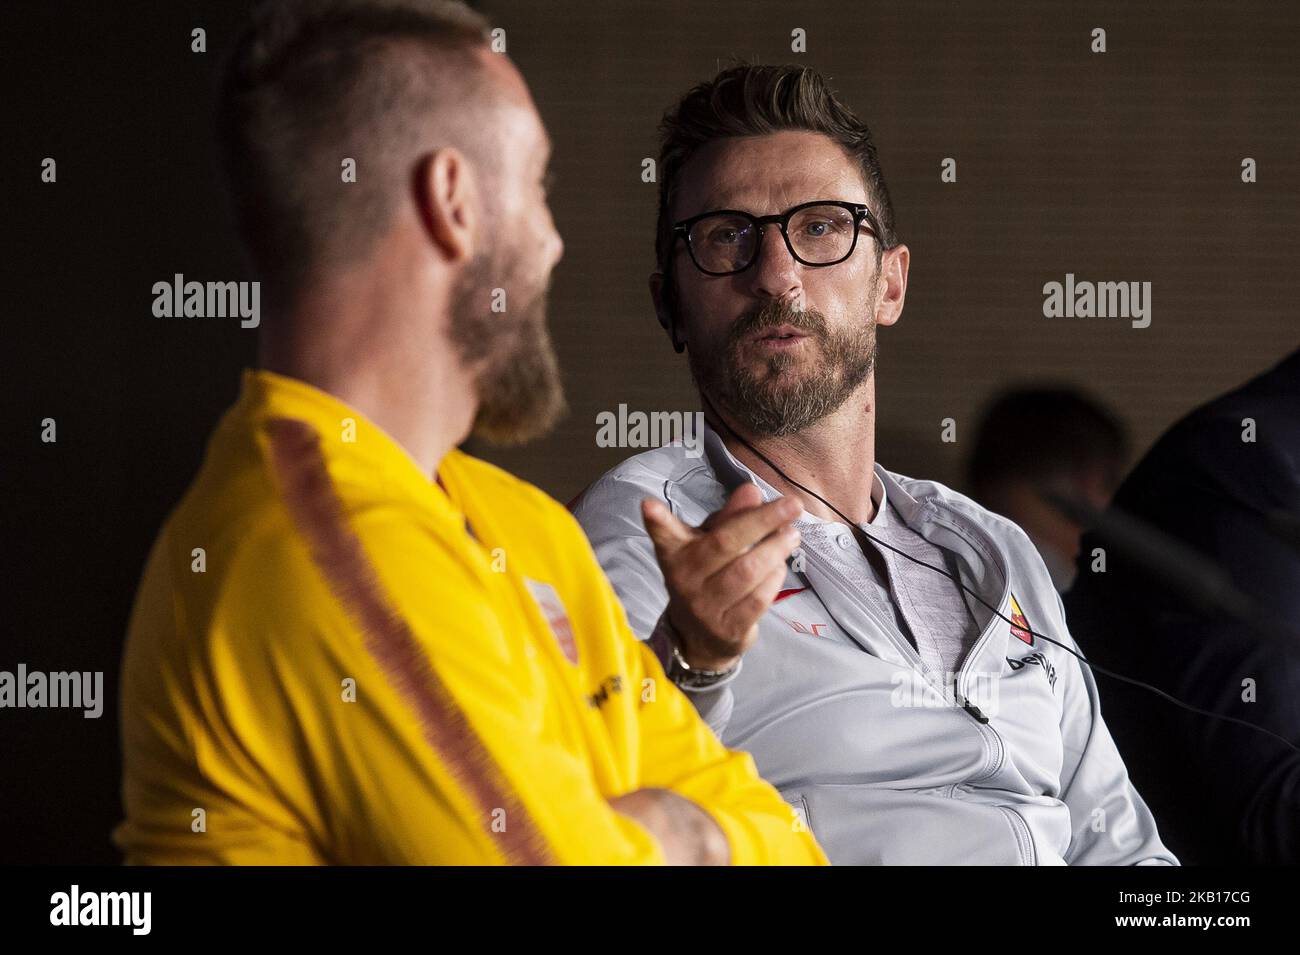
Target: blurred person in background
x=1032, y=438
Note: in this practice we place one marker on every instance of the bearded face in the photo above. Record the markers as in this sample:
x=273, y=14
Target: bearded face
x=779, y=368
x=520, y=393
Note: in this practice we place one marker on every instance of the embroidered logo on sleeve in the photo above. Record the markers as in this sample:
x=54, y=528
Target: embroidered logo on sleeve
x=1020, y=626
x=557, y=618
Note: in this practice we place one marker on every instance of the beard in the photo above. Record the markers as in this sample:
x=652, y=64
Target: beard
x=784, y=392
x=519, y=390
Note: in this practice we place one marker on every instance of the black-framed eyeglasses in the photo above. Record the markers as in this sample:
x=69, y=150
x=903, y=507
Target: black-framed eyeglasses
x=818, y=233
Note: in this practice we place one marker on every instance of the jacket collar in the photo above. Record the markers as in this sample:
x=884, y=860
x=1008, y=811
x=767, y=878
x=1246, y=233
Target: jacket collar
x=731, y=473
x=365, y=453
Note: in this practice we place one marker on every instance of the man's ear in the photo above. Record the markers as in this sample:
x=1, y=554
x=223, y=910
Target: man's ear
x=448, y=197
x=657, y=296
x=661, y=293
x=893, y=273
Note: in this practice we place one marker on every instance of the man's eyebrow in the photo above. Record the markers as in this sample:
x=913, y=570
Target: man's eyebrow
x=713, y=202
x=708, y=204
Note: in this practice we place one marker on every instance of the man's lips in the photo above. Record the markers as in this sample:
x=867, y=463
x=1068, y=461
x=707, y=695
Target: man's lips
x=781, y=338
x=786, y=333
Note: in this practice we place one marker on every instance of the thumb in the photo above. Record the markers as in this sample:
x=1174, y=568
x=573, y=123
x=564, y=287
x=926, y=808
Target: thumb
x=665, y=530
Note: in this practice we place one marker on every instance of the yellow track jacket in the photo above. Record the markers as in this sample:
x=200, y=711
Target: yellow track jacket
x=334, y=659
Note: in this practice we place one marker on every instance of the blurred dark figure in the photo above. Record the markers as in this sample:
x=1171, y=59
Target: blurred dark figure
x=1031, y=438
x=1221, y=793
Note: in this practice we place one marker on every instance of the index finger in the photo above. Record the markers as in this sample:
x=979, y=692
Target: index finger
x=736, y=534
x=742, y=499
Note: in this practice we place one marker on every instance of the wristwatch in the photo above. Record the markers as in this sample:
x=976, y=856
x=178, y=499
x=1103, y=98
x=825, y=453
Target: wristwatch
x=689, y=677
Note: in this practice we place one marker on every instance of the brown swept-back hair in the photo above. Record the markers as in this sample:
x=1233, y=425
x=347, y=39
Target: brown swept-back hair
x=754, y=100
x=312, y=82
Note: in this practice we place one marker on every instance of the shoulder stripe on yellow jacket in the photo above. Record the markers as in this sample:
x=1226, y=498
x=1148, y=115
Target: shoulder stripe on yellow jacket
x=315, y=508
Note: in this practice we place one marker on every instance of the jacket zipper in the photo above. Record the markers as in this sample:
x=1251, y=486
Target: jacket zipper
x=905, y=648
x=908, y=650
x=987, y=732
x=1024, y=839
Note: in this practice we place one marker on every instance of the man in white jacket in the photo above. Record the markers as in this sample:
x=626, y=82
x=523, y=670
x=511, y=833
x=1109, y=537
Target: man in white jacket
x=894, y=656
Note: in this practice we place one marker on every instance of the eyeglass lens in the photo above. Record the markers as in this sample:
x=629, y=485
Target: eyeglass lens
x=819, y=235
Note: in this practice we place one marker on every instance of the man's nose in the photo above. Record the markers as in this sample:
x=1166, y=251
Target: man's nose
x=775, y=273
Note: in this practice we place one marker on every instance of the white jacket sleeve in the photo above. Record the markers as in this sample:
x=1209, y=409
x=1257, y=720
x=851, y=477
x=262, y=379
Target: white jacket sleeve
x=627, y=555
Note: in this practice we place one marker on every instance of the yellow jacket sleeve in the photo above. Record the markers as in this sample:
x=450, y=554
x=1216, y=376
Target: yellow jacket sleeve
x=681, y=753
x=444, y=750
x=678, y=751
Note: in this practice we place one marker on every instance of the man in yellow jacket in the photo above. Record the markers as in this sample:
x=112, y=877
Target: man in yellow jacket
x=352, y=642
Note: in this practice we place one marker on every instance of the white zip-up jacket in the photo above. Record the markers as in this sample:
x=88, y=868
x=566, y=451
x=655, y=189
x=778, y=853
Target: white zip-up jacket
x=883, y=761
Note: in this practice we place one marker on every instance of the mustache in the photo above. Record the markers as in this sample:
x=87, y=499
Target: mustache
x=774, y=314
